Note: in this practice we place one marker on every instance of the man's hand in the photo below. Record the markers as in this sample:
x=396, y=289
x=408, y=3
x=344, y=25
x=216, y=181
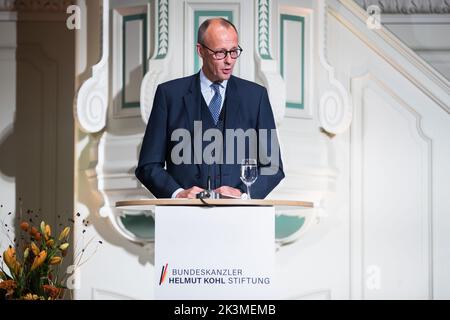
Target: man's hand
x=189, y=193
x=229, y=191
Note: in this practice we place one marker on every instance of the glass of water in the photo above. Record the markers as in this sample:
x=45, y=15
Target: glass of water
x=249, y=173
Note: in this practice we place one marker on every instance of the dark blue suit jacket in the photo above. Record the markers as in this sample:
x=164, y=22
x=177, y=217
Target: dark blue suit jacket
x=177, y=104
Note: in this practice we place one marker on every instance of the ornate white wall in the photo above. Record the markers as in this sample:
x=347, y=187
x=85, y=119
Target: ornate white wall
x=364, y=140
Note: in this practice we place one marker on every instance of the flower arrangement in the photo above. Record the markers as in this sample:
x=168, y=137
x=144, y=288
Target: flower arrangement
x=30, y=267
x=33, y=274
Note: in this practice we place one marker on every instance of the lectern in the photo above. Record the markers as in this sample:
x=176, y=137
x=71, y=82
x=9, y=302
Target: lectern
x=215, y=248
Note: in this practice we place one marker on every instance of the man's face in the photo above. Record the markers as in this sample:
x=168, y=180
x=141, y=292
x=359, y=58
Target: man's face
x=218, y=37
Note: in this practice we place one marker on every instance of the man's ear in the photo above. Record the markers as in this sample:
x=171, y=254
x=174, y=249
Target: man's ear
x=199, y=50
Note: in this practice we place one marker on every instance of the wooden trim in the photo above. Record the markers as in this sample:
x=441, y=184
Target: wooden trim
x=214, y=202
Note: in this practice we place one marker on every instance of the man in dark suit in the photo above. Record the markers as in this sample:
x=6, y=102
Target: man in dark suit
x=214, y=100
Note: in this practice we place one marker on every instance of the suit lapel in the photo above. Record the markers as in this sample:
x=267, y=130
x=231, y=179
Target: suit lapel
x=232, y=115
x=192, y=102
x=232, y=121
x=192, y=105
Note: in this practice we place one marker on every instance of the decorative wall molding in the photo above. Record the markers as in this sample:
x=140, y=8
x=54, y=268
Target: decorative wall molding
x=408, y=6
x=93, y=97
x=103, y=294
x=115, y=180
x=7, y=5
x=335, y=109
x=159, y=63
x=123, y=107
x=266, y=67
x=163, y=29
x=264, y=29
x=415, y=20
x=303, y=19
x=268, y=72
x=358, y=212
x=391, y=49
x=59, y=6
x=148, y=88
x=316, y=295
x=8, y=16
x=310, y=217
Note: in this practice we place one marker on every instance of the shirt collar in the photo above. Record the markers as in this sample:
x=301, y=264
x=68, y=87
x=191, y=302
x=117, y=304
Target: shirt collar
x=205, y=83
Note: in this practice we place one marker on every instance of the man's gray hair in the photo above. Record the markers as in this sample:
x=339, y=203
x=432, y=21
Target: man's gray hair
x=204, y=26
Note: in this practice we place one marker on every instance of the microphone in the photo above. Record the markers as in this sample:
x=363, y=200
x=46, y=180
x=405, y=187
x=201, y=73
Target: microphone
x=212, y=194
x=208, y=182
x=208, y=193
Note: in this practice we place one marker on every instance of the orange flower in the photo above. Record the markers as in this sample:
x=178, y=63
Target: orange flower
x=34, y=248
x=64, y=246
x=52, y=291
x=48, y=230
x=30, y=296
x=32, y=265
x=64, y=233
x=55, y=260
x=24, y=226
x=33, y=231
x=9, y=286
x=39, y=259
x=9, y=256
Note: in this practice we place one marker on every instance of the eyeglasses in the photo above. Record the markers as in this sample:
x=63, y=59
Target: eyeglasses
x=222, y=54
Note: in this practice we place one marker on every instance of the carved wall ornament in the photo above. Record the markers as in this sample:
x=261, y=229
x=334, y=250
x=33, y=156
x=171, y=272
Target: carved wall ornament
x=409, y=6
x=7, y=5
x=335, y=109
x=92, y=98
x=266, y=66
x=263, y=29
x=36, y=5
x=163, y=28
x=158, y=72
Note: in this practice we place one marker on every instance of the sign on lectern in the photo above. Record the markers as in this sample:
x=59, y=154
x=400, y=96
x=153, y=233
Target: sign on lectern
x=214, y=253
x=221, y=249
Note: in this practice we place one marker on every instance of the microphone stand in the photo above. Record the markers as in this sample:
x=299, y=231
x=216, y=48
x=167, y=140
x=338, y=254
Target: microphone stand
x=208, y=193
x=212, y=194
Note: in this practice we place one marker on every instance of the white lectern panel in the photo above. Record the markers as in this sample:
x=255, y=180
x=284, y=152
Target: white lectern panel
x=214, y=253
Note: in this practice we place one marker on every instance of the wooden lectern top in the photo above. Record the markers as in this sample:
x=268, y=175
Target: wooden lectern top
x=212, y=202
